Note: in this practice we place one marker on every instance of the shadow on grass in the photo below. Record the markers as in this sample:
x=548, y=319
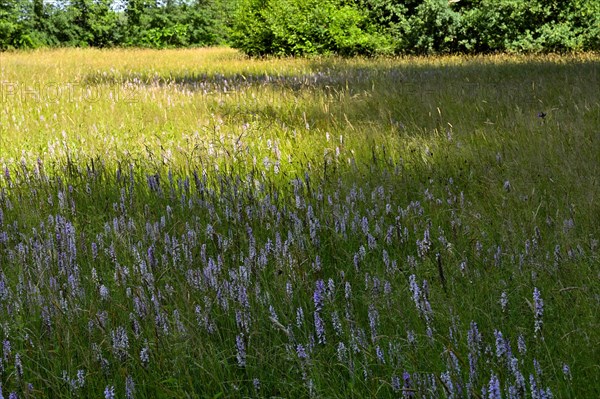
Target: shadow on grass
x=328, y=73
x=392, y=94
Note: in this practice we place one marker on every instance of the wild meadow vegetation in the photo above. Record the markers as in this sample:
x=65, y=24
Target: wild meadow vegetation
x=193, y=223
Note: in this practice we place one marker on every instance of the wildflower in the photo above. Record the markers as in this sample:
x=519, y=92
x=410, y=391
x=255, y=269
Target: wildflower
x=80, y=378
x=500, y=344
x=120, y=342
x=568, y=225
x=320, y=327
x=337, y=324
x=104, y=292
x=299, y=317
x=129, y=387
x=535, y=394
x=301, y=351
x=503, y=300
x=373, y=321
x=18, y=365
x=318, y=295
x=145, y=355
x=408, y=393
x=521, y=345
x=371, y=242
x=341, y=352
x=396, y=384
x=538, y=309
x=567, y=371
x=109, y=392
x=537, y=367
x=347, y=291
x=424, y=245
x=380, y=355
x=494, y=391
x=6, y=349
x=415, y=290
x=241, y=350
x=447, y=381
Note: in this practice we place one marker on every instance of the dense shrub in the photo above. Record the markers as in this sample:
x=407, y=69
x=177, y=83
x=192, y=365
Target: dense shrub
x=295, y=27
x=415, y=26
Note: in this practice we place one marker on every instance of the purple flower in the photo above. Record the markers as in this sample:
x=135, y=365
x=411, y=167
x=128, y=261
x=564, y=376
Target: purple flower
x=129, y=387
x=494, y=388
x=301, y=351
x=320, y=327
x=337, y=324
x=396, y=384
x=522, y=348
x=503, y=300
x=447, y=381
x=18, y=365
x=145, y=355
x=299, y=317
x=567, y=371
x=538, y=309
x=341, y=352
x=373, y=321
x=241, y=350
x=120, y=342
x=318, y=295
x=380, y=355
x=347, y=291
x=104, y=294
x=408, y=390
x=424, y=245
x=109, y=392
x=415, y=290
x=500, y=344
x=537, y=367
x=6, y=349
x=80, y=378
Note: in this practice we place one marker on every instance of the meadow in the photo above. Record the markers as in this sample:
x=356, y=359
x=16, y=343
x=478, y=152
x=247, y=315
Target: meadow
x=195, y=223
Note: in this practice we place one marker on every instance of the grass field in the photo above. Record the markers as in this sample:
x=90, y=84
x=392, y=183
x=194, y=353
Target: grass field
x=193, y=223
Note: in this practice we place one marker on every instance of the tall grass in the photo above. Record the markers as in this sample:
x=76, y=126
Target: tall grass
x=193, y=223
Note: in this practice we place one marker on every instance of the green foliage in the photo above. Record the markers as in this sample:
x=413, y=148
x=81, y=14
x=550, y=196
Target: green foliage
x=101, y=23
x=302, y=27
x=251, y=32
x=417, y=26
x=299, y=27
x=432, y=29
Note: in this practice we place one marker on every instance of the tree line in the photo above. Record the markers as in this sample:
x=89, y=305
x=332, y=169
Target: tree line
x=110, y=23
x=301, y=27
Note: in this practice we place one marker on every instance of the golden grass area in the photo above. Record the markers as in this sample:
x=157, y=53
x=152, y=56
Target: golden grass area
x=177, y=104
